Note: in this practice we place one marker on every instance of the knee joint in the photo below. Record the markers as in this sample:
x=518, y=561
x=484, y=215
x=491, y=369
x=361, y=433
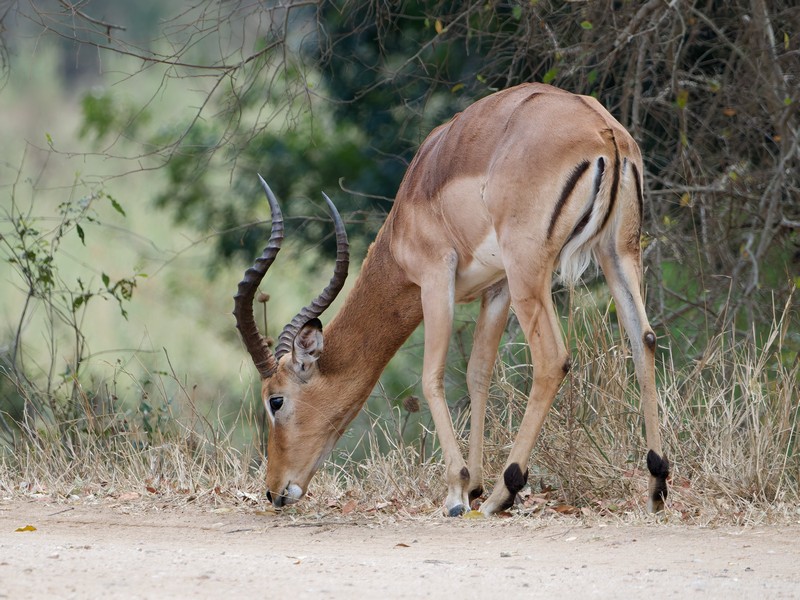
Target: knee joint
x=650, y=341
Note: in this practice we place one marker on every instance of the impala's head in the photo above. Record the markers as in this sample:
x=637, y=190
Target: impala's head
x=302, y=432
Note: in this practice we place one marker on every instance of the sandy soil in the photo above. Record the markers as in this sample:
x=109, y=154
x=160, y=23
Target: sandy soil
x=84, y=551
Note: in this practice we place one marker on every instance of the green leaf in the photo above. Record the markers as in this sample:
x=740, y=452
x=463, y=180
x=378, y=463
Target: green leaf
x=456, y=88
x=117, y=206
x=682, y=99
x=550, y=75
x=106, y=279
x=516, y=12
x=81, y=235
x=586, y=25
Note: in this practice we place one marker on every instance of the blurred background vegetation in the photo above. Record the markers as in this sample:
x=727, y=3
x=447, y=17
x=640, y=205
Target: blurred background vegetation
x=129, y=207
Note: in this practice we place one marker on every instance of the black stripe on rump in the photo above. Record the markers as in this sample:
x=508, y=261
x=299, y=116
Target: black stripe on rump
x=566, y=192
x=614, y=182
x=598, y=178
x=639, y=195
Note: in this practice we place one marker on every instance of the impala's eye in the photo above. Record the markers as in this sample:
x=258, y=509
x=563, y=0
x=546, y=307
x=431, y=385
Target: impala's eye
x=275, y=403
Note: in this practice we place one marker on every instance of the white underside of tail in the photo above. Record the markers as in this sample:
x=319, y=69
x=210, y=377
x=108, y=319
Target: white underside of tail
x=577, y=254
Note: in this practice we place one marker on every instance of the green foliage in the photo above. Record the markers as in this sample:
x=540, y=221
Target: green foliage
x=98, y=115
x=390, y=74
x=34, y=247
x=105, y=115
x=32, y=250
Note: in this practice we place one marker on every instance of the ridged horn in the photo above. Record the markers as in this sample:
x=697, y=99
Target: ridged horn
x=323, y=301
x=256, y=344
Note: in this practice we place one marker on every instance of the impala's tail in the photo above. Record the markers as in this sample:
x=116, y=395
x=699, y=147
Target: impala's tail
x=594, y=224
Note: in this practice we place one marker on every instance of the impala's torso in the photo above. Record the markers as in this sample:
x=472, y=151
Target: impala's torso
x=482, y=179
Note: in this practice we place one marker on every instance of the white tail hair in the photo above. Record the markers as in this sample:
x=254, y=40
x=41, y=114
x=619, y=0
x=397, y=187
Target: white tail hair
x=578, y=252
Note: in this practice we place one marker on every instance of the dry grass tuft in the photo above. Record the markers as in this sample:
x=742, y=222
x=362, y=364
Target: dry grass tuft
x=729, y=420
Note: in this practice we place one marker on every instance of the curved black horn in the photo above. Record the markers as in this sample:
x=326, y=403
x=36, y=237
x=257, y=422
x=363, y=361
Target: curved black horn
x=256, y=344
x=323, y=301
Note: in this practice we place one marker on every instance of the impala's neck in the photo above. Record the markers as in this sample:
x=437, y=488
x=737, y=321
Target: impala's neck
x=379, y=314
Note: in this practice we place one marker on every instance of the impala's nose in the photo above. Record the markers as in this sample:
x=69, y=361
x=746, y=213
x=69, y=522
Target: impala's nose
x=278, y=500
x=291, y=494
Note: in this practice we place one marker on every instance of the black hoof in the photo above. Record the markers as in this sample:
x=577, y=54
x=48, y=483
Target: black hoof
x=659, y=469
x=457, y=510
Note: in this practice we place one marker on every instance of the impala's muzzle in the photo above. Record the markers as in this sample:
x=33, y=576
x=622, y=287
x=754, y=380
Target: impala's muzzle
x=291, y=494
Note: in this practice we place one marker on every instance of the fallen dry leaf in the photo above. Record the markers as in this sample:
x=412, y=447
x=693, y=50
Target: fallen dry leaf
x=26, y=528
x=247, y=496
x=474, y=514
x=349, y=507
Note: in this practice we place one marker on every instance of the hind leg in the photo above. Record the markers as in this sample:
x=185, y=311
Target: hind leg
x=534, y=308
x=622, y=270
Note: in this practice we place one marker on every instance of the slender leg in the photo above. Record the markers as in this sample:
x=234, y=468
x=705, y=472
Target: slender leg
x=488, y=331
x=438, y=289
x=622, y=271
x=534, y=308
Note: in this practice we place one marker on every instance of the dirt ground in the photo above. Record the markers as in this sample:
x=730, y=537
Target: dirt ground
x=93, y=551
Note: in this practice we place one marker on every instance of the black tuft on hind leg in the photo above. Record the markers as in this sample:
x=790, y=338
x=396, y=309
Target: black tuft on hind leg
x=515, y=480
x=659, y=469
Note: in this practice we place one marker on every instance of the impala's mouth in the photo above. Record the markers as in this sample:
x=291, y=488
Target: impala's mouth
x=291, y=494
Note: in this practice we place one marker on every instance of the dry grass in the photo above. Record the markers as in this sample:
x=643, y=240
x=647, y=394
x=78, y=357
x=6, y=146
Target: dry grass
x=729, y=422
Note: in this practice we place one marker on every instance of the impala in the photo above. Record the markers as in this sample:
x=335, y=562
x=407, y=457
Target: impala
x=520, y=184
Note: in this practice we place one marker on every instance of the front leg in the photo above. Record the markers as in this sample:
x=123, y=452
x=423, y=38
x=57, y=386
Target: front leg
x=438, y=292
x=488, y=331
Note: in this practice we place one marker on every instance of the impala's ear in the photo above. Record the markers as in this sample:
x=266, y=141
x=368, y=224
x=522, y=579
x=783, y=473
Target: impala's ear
x=307, y=346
